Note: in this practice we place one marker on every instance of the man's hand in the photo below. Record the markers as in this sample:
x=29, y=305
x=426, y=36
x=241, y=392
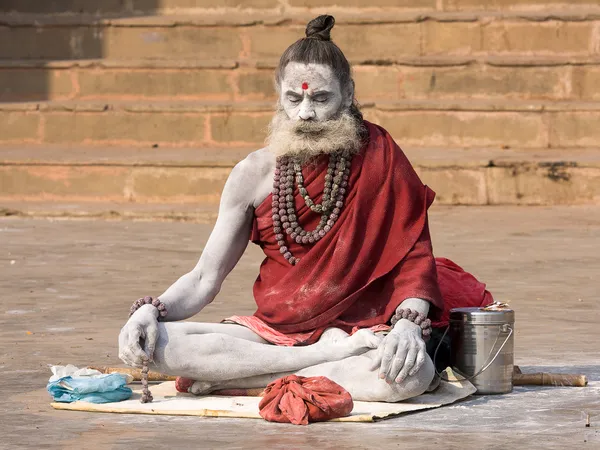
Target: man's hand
x=142, y=326
x=401, y=353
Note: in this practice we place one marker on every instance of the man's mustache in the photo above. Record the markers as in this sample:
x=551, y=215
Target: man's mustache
x=309, y=127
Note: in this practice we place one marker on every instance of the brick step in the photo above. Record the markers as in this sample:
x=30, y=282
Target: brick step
x=469, y=123
x=134, y=176
x=421, y=78
x=105, y=210
x=273, y=11
x=384, y=40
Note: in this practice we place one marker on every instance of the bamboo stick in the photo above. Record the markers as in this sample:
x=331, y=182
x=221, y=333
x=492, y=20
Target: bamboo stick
x=548, y=379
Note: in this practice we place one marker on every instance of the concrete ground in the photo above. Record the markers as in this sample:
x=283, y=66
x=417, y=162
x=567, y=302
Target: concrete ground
x=67, y=286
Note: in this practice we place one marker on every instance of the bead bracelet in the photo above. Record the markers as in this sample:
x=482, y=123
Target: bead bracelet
x=415, y=317
x=162, y=312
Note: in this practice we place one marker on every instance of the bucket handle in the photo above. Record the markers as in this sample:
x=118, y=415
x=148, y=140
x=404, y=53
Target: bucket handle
x=502, y=328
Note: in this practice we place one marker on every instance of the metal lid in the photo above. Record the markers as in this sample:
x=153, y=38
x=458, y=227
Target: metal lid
x=481, y=316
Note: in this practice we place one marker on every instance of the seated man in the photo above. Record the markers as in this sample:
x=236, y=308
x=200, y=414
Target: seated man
x=342, y=219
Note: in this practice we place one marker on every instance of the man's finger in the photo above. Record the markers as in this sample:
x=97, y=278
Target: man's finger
x=150, y=342
x=134, y=346
x=377, y=356
x=399, y=362
x=126, y=356
x=421, y=356
x=409, y=363
x=387, y=357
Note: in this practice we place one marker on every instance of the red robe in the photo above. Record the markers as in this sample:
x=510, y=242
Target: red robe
x=377, y=254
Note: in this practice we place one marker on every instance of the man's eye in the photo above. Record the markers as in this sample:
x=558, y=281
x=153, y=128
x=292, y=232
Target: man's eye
x=321, y=99
x=293, y=100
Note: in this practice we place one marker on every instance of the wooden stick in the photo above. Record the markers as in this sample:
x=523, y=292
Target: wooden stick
x=135, y=373
x=547, y=379
x=159, y=377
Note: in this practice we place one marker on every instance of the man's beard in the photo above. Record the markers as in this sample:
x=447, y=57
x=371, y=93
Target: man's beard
x=305, y=139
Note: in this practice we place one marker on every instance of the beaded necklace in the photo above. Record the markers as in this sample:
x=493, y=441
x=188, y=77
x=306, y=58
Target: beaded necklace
x=285, y=217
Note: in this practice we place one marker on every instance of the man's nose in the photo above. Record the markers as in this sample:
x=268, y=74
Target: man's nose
x=307, y=112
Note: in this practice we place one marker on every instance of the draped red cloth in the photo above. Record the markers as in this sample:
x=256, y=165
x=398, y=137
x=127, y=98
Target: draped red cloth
x=376, y=255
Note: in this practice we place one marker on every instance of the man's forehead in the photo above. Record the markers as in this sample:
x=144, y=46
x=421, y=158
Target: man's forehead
x=308, y=76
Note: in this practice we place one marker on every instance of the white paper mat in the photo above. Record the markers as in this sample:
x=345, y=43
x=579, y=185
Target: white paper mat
x=167, y=401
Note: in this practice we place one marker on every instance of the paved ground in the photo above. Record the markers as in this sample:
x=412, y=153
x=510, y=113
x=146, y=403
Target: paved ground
x=67, y=286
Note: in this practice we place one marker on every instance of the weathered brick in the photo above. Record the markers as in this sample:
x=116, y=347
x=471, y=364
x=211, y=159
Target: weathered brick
x=258, y=84
x=63, y=181
x=379, y=42
x=455, y=38
x=197, y=4
x=490, y=81
x=543, y=185
x=456, y=186
x=239, y=127
x=51, y=43
x=20, y=127
x=408, y=4
x=500, y=5
x=539, y=37
x=34, y=84
x=121, y=6
x=358, y=42
x=172, y=42
x=575, y=129
x=392, y=83
x=586, y=80
x=63, y=6
x=124, y=128
x=383, y=82
x=268, y=43
x=463, y=129
x=208, y=84
x=178, y=184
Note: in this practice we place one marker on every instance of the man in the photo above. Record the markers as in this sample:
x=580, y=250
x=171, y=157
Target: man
x=342, y=219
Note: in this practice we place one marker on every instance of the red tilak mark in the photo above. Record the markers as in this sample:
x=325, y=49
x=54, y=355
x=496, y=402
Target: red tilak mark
x=305, y=85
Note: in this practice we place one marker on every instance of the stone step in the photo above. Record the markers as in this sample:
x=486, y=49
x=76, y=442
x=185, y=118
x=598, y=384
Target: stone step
x=180, y=212
x=454, y=123
x=420, y=78
x=385, y=38
x=288, y=10
x=191, y=176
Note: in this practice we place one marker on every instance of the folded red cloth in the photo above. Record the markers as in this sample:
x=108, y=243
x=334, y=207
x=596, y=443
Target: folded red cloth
x=183, y=384
x=300, y=400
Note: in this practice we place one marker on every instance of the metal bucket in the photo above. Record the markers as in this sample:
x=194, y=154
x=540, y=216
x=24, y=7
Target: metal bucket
x=482, y=347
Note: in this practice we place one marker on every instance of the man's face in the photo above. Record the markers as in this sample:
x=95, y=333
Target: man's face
x=311, y=92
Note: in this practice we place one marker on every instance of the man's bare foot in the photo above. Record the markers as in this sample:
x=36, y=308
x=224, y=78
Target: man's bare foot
x=202, y=387
x=356, y=344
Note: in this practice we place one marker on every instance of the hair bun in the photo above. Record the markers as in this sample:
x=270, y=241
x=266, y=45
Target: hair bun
x=320, y=28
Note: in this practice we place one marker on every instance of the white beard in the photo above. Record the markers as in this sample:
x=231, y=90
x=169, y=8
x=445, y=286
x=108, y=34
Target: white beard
x=305, y=140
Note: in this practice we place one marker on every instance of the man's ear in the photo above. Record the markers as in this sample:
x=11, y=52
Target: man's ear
x=349, y=94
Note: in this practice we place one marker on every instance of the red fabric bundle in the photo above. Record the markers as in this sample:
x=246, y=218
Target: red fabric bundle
x=183, y=384
x=300, y=400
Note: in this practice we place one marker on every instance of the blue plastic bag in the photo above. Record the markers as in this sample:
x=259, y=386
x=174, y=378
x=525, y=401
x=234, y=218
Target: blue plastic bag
x=101, y=389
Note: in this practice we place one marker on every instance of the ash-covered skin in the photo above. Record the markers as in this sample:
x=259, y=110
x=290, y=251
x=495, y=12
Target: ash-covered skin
x=321, y=100
x=232, y=356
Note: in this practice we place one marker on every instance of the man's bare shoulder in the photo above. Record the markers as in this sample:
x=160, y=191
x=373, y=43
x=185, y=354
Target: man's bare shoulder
x=260, y=162
x=251, y=178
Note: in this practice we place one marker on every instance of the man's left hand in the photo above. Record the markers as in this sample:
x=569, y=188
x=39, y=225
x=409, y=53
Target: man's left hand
x=401, y=353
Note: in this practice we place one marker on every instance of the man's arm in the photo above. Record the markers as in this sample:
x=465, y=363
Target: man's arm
x=403, y=351
x=225, y=246
x=196, y=289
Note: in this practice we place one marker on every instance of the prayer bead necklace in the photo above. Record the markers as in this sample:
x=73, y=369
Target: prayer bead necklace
x=285, y=217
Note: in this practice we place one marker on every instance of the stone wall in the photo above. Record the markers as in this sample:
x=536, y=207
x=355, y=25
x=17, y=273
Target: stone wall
x=473, y=76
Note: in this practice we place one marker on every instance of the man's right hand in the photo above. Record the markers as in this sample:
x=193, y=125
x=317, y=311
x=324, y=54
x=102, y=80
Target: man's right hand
x=138, y=337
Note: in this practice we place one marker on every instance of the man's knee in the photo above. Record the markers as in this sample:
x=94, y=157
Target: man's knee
x=412, y=386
